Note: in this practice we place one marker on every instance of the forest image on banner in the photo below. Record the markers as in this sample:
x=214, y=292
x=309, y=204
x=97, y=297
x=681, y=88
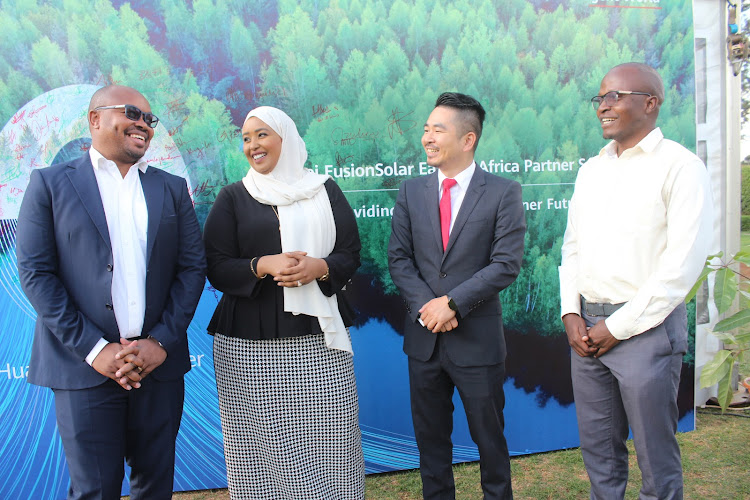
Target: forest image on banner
x=359, y=78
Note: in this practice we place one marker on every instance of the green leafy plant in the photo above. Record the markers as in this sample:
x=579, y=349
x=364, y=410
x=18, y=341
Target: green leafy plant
x=734, y=331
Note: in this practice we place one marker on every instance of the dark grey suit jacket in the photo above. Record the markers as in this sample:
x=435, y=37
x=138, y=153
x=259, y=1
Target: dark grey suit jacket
x=65, y=268
x=483, y=256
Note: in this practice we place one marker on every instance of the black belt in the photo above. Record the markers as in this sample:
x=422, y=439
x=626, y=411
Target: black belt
x=595, y=309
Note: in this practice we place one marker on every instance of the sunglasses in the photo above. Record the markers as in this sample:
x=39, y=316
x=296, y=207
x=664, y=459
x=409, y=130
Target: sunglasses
x=133, y=113
x=611, y=98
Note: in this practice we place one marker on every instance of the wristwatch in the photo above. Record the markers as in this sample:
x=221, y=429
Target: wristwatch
x=452, y=304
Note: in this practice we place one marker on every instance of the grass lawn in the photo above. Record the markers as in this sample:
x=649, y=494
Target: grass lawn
x=716, y=464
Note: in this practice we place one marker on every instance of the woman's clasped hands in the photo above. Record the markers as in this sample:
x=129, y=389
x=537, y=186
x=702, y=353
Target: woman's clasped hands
x=292, y=269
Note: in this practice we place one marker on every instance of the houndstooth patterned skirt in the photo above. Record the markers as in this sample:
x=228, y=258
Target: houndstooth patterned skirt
x=290, y=419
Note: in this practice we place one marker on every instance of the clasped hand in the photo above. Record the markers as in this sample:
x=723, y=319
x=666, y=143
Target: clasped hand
x=594, y=341
x=292, y=269
x=129, y=362
x=437, y=316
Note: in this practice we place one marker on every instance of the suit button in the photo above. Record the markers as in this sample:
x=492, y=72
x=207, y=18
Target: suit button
x=109, y=267
x=108, y=306
x=443, y=275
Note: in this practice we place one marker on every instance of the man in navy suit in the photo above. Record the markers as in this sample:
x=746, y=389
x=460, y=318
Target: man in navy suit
x=457, y=240
x=110, y=256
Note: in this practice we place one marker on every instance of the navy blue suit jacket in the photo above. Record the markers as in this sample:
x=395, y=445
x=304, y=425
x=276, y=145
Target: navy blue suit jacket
x=483, y=256
x=65, y=266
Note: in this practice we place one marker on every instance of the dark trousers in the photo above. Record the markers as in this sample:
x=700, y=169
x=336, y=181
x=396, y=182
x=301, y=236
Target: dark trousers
x=431, y=386
x=633, y=385
x=103, y=426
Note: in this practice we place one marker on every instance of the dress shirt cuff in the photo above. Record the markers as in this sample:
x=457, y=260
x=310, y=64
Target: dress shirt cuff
x=620, y=326
x=570, y=306
x=570, y=299
x=95, y=351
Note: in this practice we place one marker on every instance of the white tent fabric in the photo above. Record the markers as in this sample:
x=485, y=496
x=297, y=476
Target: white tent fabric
x=718, y=143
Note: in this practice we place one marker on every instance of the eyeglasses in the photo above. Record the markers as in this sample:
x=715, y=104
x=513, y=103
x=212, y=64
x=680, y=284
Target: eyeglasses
x=133, y=113
x=611, y=97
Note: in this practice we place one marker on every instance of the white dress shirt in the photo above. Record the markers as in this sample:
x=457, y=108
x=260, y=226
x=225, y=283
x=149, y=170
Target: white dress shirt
x=458, y=190
x=127, y=221
x=639, y=231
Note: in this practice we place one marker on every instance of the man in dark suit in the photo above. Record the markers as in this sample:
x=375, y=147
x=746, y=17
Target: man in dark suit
x=457, y=240
x=110, y=256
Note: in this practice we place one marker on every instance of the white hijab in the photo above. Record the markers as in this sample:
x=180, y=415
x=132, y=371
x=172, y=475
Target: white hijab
x=305, y=220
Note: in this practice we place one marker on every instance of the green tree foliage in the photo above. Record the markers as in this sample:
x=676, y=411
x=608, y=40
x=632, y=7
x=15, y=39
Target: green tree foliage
x=48, y=59
x=359, y=77
x=244, y=50
x=745, y=190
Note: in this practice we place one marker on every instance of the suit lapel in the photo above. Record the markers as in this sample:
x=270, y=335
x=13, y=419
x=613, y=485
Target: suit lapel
x=432, y=205
x=153, y=191
x=473, y=193
x=81, y=175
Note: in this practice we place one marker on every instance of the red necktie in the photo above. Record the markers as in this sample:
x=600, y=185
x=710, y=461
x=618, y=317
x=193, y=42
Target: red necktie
x=445, y=211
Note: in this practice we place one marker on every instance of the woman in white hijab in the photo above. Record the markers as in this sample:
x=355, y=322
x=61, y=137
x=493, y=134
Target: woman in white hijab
x=281, y=245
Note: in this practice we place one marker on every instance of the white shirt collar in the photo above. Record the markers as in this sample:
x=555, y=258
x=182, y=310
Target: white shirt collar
x=462, y=179
x=647, y=144
x=97, y=157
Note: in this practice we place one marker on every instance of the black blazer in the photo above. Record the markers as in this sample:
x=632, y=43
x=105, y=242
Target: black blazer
x=239, y=228
x=483, y=256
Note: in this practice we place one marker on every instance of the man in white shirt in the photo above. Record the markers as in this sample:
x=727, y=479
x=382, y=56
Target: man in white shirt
x=456, y=241
x=639, y=231
x=110, y=256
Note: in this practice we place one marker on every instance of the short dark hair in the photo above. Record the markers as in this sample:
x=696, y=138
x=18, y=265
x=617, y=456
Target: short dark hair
x=470, y=111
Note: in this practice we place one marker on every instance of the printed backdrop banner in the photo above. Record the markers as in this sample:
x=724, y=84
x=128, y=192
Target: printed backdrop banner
x=359, y=77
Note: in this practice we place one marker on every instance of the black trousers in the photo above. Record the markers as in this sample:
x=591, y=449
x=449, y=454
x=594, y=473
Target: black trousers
x=431, y=384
